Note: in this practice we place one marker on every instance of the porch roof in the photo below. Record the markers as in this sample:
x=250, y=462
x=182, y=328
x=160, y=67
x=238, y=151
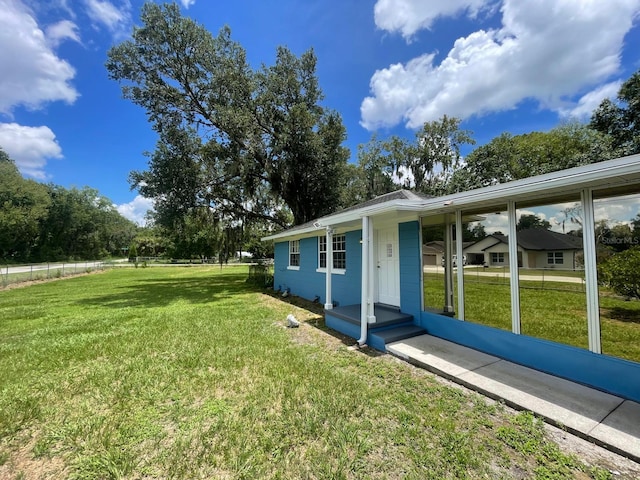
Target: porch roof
x=621, y=175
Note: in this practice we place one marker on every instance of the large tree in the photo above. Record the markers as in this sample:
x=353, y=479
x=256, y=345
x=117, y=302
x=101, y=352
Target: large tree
x=621, y=119
x=513, y=157
x=242, y=142
x=435, y=155
x=424, y=165
x=372, y=176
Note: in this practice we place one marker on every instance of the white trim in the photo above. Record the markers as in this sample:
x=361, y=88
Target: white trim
x=364, y=282
x=460, y=271
x=328, y=258
x=448, y=267
x=334, y=271
x=513, y=268
x=293, y=252
x=591, y=271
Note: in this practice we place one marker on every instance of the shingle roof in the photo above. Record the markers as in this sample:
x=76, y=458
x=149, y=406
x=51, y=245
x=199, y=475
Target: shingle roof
x=387, y=197
x=542, y=239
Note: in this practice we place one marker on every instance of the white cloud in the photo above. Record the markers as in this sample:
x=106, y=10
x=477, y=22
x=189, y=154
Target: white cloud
x=409, y=16
x=187, y=3
x=63, y=30
x=136, y=209
x=116, y=19
x=29, y=147
x=545, y=50
x=590, y=101
x=30, y=72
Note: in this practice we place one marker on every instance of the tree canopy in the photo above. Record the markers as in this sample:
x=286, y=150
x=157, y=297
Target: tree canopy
x=621, y=120
x=513, y=157
x=244, y=143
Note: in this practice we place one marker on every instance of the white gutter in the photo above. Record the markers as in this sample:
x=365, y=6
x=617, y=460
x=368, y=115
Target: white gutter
x=364, y=304
x=562, y=181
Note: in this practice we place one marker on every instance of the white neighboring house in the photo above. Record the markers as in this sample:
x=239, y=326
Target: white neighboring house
x=537, y=248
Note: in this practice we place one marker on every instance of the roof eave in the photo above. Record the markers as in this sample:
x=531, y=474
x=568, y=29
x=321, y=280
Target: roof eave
x=350, y=216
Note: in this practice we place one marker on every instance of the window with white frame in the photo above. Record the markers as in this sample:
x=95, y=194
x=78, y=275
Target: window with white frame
x=497, y=257
x=555, y=258
x=339, y=244
x=294, y=253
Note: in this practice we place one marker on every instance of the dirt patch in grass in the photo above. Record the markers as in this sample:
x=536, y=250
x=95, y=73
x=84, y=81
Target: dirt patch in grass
x=20, y=463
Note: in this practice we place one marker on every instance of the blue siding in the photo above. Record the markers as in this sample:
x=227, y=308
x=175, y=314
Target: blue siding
x=613, y=375
x=410, y=268
x=307, y=283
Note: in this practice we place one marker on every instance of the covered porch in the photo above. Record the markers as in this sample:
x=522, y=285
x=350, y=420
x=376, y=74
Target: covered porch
x=391, y=325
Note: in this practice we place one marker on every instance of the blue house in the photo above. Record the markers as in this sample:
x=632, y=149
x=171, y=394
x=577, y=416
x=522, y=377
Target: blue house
x=365, y=265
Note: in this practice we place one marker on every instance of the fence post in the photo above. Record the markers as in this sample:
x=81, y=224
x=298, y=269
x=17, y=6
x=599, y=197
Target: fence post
x=31, y=273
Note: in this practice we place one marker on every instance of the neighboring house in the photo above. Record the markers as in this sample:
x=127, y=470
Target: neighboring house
x=433, y=253
x=537, y=248
x=365, y=264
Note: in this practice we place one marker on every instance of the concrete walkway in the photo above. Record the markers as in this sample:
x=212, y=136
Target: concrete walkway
x=602, y=418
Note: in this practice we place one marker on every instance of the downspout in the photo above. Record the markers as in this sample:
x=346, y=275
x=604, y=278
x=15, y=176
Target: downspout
x=364, y=304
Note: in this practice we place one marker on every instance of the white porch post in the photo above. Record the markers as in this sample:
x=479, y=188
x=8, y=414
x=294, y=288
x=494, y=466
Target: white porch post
x=460, y=262
x=371, y=317
x=513, y=267
x=364, y=277
x=448, y=267
x=591, y=270
x=328, y=304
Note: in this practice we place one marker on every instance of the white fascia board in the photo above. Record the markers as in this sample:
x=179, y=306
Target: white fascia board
x=346, y=217
x=570, y=180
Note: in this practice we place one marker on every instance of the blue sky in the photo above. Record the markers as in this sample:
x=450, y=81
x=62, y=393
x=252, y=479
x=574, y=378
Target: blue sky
x=387, y=66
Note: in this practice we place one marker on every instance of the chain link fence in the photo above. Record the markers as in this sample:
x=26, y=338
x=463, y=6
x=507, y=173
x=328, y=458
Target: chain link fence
x=10, y=274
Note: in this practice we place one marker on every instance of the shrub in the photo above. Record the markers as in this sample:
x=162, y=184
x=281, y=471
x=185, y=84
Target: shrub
x=621, y=272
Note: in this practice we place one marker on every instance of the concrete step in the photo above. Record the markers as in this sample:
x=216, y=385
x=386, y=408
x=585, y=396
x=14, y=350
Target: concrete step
x=398, y=333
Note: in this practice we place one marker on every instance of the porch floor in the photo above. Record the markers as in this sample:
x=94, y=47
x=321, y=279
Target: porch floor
x=599, y=417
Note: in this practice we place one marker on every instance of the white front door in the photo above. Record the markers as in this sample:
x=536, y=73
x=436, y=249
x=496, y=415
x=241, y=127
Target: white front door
x=388, y=266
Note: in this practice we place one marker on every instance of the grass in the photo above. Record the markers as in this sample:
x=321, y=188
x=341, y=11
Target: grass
x=554, y=311
x=190, y=373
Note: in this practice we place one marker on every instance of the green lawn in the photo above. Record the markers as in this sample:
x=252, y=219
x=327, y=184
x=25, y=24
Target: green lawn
x=188, y=372
x=553, y=311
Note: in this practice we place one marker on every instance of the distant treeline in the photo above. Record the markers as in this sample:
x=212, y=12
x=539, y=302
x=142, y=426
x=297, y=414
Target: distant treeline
x=45, y=222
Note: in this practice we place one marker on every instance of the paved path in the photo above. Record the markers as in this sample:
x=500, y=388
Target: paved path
x=597, y=416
